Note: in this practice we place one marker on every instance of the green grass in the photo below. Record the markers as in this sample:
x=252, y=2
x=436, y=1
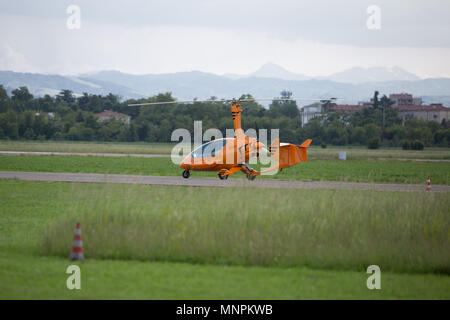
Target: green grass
x=27, y=209
x=87, y=147
x=322, y=229
x=313, y=170
x=362, y=153
x=314, y=152
x=25, y=276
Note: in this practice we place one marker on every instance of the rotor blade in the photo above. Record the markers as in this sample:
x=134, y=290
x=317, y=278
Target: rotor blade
x=171, y=102
x=292, y=99
x=232, y=100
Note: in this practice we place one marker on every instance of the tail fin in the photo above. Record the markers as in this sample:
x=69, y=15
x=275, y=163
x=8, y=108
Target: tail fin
x=303, y=147
x=305, y=144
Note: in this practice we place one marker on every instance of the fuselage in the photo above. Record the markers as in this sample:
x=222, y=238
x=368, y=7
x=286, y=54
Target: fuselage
x=222, y=154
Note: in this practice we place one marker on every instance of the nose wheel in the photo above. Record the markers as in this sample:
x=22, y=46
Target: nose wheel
x=222, y=177
x=251, y=177
x=186, y=174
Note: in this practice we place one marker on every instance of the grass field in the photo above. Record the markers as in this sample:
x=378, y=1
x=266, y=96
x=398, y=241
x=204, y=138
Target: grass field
x=37, y=220
x=87, y=147
x=314, y=152
x=314, y=170
x=405, y=232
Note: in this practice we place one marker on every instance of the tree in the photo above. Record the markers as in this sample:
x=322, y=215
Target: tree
x=371, y=131
x=46, y=104
x=86, y=134
x=26, y=121
x=374, y=143
x=21, y=98
x=23, y=116
x=252, y=108
x=21, y=94
x=8, y=122
x=67, y=96
x=4, y=99
x=79, y=117
x=358, y=136
x=375, y=103
x=29, y=134
x=73, y=133
x=385, y=103
x=286, y=108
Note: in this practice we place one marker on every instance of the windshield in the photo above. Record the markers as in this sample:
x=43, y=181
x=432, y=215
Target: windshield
x=209, y=149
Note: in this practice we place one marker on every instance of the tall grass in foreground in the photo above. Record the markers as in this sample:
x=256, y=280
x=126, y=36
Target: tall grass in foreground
x=316, y=228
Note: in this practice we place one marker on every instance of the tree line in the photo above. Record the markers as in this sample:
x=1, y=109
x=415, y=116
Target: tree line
x=69, y=117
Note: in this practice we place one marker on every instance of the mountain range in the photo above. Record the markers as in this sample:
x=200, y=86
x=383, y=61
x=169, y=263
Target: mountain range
x=353, y=75
x=351, y=85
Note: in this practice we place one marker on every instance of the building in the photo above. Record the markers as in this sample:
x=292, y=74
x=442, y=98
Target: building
x=434, y=112
x=108, y=115
x=347, y=107
x=405, y=99
x=310, y=111
x=366, y=103
x=316, y=109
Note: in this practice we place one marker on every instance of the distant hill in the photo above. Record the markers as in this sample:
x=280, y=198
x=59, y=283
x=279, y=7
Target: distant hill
x=354, y=75
x=195, y=84
x=375, y=74
x=41, y=84
x=270, y=70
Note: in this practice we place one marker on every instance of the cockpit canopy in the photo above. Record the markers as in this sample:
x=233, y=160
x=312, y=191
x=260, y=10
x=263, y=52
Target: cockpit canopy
x=209, y=149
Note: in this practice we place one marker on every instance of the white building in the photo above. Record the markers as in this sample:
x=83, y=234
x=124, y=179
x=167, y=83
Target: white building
x=310, y=111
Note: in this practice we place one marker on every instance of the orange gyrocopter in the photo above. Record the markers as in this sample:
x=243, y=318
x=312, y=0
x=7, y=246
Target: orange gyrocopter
x=227, y=156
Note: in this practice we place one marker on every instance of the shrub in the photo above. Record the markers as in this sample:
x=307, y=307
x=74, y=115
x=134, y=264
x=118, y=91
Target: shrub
x=417, y=145
x=374, y=143
x=323, y=145
x=73, y=134
x=29, y=134
x=406, y=145
x=86, y=134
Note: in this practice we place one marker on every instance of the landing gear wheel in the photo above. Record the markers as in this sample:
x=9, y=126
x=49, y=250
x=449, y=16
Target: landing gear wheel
x=222, y=177
x=251, y=177
x=186, y=174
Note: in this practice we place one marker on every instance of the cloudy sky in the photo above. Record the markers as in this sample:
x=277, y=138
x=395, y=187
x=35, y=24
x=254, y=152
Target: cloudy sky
x=315, y=38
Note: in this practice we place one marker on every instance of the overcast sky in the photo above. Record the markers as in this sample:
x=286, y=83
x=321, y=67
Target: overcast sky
x=315, y=38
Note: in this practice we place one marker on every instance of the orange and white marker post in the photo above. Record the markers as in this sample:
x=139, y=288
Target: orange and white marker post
x=77, y=245
x=428, y=184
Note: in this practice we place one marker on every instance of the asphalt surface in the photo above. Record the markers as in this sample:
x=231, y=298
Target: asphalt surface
x=212, y=182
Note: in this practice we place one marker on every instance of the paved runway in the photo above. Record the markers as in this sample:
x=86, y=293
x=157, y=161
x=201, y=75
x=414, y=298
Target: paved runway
x=212, y=182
